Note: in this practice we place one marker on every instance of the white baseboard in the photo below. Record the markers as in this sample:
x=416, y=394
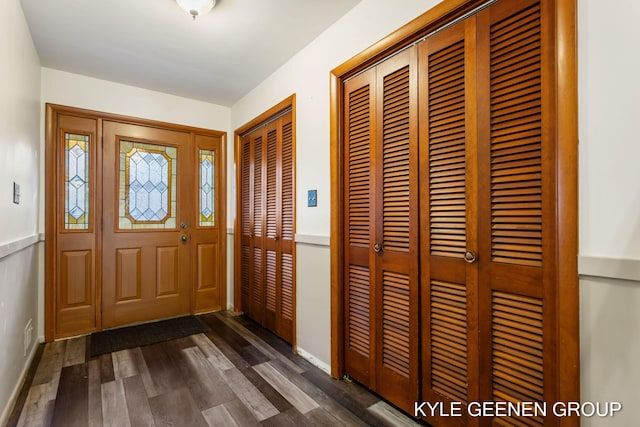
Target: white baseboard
x=314, y=360
x=6, y=412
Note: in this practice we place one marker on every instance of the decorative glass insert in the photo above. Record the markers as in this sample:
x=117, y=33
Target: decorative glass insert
x=147, y=186
x=207, y=188
x=76, y=181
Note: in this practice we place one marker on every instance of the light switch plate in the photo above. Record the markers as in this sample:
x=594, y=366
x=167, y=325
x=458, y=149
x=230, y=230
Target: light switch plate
x=312, y=198
x=16, y=193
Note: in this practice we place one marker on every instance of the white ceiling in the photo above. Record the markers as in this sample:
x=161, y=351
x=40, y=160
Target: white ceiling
x=154, y=44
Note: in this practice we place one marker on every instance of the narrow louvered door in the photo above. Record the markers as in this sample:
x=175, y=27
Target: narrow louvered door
x=449, y=217
x=359, y=292
x=272, y=226
x=396, y=226
x=286, y=234
x=252, y=271
x=517, y=206
x=246, y=225
x=278, y=239
x=258, y=229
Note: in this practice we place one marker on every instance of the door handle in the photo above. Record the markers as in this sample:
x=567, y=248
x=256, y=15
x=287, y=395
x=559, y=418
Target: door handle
x=470, y=256
x=377, y=247
x=183, y=237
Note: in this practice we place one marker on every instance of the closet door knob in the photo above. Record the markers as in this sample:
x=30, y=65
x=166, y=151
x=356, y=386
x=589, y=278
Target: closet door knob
x=470, y=256
x=377, y=247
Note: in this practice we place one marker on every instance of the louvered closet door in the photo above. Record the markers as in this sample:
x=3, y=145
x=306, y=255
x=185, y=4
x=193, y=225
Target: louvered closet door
x=487, y=164
x=517, y=205
x=381, y=226
x=449, y=216
x=285, y=304
x=246, y=266
x=267, y=253
x=359, y=205
x=396, y=230
x=253, y=288
x=278, y=238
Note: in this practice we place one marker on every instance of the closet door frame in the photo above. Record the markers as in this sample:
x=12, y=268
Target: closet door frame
x=287, y=104
x=566, y=135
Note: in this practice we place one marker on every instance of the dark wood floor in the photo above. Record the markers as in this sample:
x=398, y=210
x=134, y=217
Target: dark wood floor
x=237, y=374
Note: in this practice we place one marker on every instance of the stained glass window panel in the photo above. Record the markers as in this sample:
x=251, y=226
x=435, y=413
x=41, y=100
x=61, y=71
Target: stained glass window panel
x=76, y=186
x=147, y=186
x=207, y=188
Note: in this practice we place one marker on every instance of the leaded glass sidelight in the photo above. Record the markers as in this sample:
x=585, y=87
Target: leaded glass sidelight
x=147, y=190
x=207, y=188
x=76, y=184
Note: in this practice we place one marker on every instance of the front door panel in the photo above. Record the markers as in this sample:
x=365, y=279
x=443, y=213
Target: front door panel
x=146, y=268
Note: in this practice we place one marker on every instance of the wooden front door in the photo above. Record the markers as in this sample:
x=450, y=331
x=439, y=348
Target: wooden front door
x=135, y=221
x=145, y=254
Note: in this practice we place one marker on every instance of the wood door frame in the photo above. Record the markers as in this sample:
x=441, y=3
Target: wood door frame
x=566, y=105
x=276, y=110
x=51, y=206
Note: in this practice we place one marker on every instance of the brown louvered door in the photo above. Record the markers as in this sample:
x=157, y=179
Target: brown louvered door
x=487, y=165
x=517, y=205
x=396, y=265
x=358, y=227
x=279, y=227
x=285, y=306
x=449, y=216
x=246, y=225
x=381, y=224
x=253, y=274
x=267, y=256
x=271, y=255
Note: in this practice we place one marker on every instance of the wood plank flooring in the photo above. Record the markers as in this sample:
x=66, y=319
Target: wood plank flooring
x=236, y=374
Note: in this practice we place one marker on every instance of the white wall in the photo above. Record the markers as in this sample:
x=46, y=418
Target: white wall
x=307, y=75
x=609, y=33
x=19, y=146
x=80, y=91
x=609, y=64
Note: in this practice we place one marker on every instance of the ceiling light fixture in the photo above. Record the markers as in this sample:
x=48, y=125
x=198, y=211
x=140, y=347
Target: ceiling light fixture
x=196, y=8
